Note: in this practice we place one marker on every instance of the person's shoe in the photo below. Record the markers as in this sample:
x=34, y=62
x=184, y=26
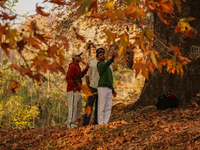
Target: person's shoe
x=71, y=126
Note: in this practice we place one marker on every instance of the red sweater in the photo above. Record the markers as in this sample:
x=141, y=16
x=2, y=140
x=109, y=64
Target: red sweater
x=73, y=73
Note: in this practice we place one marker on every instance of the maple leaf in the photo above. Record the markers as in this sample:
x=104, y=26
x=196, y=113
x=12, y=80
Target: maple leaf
x=84, y=5
x=123, y=43
x=184, y=27
x=61, y=57
x=33, y=27
x=166, y=6
x=52, y=51
x=162, y=17
x=82, y=38
x=151, y=5
x=5, y=47
x=145, y=72
x=20, y=46
x=40, y=64
x=65, y=42
x=2, y=30
x=14, y=85
x=34, y=43
x=22, y=70
x=2, y=2
x=5, y=16
x=11, y=35
x=153, y=58
x=93, y=7
x=99, y=16
x=58, y=2
x=109, y=5
x=86, y=91
x=39, y=11
x=137, y=66
x=41, y=37
x=110, y=37
x=178, y=5
x=55, y=67
x=133, y=13
x=87, y=111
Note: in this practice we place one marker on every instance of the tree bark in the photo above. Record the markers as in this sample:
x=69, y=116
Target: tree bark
x=159, y=83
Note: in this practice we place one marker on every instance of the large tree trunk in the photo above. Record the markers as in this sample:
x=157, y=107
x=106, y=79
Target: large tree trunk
x=160, y=83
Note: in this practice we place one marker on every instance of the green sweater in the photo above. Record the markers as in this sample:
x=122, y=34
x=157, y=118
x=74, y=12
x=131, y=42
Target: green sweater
x=105, y=73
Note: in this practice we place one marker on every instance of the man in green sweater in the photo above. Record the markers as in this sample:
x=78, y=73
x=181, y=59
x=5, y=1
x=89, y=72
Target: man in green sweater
x=105, y=88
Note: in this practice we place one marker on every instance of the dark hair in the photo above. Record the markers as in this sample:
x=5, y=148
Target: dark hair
x=73, y=59
x=100, y=49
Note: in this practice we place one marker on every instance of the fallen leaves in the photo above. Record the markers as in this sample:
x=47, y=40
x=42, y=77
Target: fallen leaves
x=167, y=129
x=39, y=11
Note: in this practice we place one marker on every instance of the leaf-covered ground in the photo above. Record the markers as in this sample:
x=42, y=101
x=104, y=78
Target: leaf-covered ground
x=170, y=129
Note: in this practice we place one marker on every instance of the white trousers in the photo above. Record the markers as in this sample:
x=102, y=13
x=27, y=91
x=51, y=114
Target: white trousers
x=104, y=104
x=74, y=106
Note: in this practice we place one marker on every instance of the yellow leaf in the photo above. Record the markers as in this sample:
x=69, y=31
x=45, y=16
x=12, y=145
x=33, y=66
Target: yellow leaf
x=153, y=58
x=109, y=5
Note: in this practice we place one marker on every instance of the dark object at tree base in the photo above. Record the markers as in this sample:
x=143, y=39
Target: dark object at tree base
x=168, y=100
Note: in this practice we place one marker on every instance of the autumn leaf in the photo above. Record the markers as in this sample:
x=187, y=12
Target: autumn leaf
x=5, y=16
x=58, y=2
x=86, y=91
x=145, y=72
x=82, y=38
x=5, y=47
x=134, y=13
x=137, y=66
x=110, y=37
x=40, y=64
x=39, y=11
x=166, y=6
x=65, y=42
x=83, y=6
x=184, y=27
x=123, y=44
x=33, y=27
x=109, y=5
x=34, y=43
x=61, y=58
x=14, y=85
x=55, y=67
x=52, y=51
x=20, y=46
x=87, y=111
x=2, y=2
x=153, y=58
x=99, y=16
x=11, y=35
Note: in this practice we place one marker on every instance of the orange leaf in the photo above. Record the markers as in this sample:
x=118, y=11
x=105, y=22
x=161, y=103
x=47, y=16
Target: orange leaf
x=20, y=46
x=166, y=6
x=55, y=67
x=39, y=11
x=82, y=38
x=5, y=16
x=14, y=85
x=133, y=13
x=145, y=72
x=34, y=43
x=33, y=27
x=87, y=111
x=58, y=2
x=65, y=42
x=99, y=16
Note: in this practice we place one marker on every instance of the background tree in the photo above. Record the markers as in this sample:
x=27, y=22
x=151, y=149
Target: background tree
x=186, y=86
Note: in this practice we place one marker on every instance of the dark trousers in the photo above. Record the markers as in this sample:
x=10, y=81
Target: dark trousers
x=91, y=100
